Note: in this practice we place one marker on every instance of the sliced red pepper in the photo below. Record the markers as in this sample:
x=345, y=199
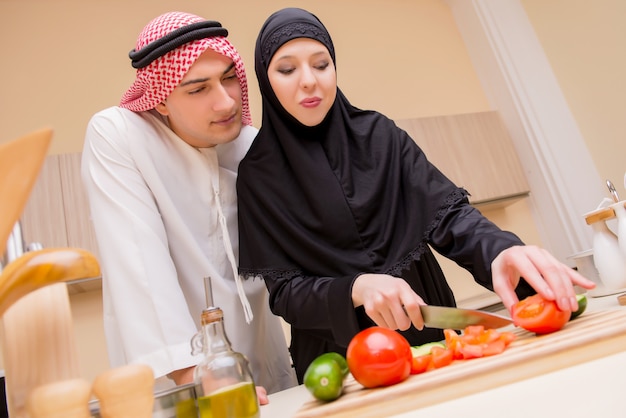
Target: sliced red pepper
x=493, y=348
x=489, y=336
x=507, y=337
x=469, y=351
x=453, y=342
x=476, y=341
x=474, y=330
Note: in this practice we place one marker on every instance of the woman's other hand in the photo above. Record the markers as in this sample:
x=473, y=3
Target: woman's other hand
x=552, y=279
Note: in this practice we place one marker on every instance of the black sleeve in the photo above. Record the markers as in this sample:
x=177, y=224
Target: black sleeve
x=321, y=305
x=465, y=236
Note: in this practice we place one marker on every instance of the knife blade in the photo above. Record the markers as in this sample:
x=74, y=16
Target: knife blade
x=459, y=318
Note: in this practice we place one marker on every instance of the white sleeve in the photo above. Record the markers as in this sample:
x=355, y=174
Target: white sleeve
x=231, y=153
x=146, y=316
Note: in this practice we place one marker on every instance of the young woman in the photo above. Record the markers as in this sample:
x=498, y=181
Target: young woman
x=338, y=210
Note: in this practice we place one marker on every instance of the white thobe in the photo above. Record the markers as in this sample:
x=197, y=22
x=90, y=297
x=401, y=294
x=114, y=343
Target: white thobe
x=155, y=205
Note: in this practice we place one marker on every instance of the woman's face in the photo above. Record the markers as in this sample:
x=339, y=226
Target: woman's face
x=303, y=77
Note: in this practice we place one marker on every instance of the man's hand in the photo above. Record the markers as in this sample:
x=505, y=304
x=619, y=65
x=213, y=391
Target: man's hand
x=185, y=376
x=182, y=376
x=261, y=393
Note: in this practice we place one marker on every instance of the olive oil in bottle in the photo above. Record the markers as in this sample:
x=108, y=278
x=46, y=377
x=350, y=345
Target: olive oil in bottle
x=223, y=382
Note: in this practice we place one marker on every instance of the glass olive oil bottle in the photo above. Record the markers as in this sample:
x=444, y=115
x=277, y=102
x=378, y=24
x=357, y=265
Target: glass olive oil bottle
x=223, y=382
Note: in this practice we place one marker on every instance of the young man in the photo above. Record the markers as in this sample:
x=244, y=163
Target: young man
x=160, y=173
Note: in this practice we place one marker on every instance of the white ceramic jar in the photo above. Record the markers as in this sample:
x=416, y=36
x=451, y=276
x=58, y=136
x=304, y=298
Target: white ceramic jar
x=607, y=256
x=620, y=212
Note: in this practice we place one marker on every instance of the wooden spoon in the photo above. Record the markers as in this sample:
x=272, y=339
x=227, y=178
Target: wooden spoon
x=39, y=268
x=20, y=163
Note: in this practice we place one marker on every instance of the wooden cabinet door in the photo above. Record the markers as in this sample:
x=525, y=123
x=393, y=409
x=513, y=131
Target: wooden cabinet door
x=57, y=213
x=474, y=150
x=43, y=219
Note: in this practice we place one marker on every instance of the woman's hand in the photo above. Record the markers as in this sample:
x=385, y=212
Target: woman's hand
x=389, y=301
x=552, y=279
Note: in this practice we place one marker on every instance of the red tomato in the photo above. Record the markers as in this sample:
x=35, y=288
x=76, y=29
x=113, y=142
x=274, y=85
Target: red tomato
x=494, y=347
x=379, y=356
x=477, y=341
x=453, y=342
x=470, y=350
x=474, y=331
x=441, y=357
x=507, y=337
x=420, y=364
x=538, y=315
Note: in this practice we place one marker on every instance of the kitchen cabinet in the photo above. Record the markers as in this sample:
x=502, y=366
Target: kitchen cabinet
x=475, y=151
x=57, y=212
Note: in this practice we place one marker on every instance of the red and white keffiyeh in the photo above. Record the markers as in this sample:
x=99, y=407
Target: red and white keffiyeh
x=155, y=82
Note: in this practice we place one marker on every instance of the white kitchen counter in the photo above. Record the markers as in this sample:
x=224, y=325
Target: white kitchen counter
x=591, y=389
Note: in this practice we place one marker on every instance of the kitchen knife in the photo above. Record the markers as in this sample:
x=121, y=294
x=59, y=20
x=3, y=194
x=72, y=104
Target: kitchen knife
x=458, y=318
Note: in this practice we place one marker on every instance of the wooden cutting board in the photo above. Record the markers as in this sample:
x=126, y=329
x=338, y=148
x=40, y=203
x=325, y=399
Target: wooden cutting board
x=590, y=336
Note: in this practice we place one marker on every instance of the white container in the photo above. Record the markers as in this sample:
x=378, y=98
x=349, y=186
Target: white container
x=585, y=266
x=620, y=213
x=607, y=257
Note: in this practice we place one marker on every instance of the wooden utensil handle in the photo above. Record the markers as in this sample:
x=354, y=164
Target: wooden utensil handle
x=598, y=215
x=125, y=392
x=38, y=344
x=64, y=399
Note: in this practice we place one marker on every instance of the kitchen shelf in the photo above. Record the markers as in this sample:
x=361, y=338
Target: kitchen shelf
x=501, y=202
x=91, y=284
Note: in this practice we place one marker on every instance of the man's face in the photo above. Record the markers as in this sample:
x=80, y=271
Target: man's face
x=205, y=108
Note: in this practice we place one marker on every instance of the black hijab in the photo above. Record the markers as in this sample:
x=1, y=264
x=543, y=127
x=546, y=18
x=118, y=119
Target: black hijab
x=352, y=194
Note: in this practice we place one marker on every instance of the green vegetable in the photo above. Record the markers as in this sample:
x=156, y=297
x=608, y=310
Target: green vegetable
x=325, y=375
x=422, y=350
x=582, y=305
x=341, y=361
